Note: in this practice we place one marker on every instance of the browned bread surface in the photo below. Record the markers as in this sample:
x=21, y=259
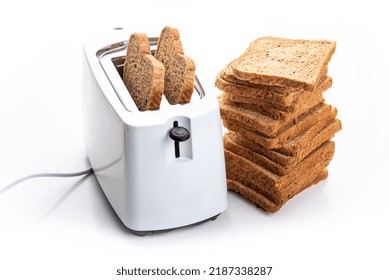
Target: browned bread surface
x=275, y=187
x=267, y=204
x=276, y=95
x=257, y=158
x=273, y=94
x=290, y=142
x=301, y=103
x=228, y=75
x=179, y=68
x=317, y=134
x=284, y=62
x=251, y=171
x=261, y=158
x=295, y=150
x=274, y=132
x=143, y=75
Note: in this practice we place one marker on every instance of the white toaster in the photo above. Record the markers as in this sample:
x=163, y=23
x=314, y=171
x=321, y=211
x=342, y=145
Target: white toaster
x=160, y=169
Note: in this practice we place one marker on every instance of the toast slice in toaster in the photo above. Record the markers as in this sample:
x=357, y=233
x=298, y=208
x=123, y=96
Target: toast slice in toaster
x=179, y=68
x=143, y=74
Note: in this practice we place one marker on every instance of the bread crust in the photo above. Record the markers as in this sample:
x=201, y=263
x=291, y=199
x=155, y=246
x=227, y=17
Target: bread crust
x=267, y=204
x=143, y=75
x=284, y=62
x=268, y=127
x=257, y=173
x=292, y=140
x=275, y=187
x=302, y=102
x=180, y=69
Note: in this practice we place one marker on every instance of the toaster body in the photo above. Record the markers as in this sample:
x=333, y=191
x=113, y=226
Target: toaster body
x=152, y=181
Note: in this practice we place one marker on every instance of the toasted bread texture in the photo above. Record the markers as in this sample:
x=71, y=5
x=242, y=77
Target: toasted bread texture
x=302, y=102
x=267, y=204
x=284, y=62
x=278, y=189
x=143, y=75
x=273, y=95
x=257, y=121
x=292, y=138
x=179, y=68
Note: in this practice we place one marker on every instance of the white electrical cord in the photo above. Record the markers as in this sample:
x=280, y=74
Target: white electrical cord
x=28, y=177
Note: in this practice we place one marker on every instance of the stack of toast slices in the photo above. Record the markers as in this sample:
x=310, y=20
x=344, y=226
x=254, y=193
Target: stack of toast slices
x=280, y=128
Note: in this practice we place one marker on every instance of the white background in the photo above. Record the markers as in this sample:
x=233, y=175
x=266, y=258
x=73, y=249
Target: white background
x=52, y=228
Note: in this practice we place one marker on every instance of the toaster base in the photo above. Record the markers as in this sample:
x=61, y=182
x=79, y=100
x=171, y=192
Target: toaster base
x=144, y=233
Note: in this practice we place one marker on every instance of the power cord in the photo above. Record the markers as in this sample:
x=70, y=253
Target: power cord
x=37, y=175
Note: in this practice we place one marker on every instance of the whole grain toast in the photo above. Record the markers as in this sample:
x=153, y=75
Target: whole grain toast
x=276, y=196
x=238, y=164
x=276, y=95
x=276, y=188
x=301, y=103
x=267, y=204
x=284, y=62
x=228, y=75
x=287, y=148
x=257, y=158
x=143, y=75
x=296, y=149
x=280, y=161
x=270, y=128
x=179, y=68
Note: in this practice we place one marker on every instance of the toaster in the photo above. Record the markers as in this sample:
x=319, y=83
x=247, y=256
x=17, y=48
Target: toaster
x=160, y=169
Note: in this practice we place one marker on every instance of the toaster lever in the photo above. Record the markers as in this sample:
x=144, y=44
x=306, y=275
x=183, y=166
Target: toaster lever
x=178, y=134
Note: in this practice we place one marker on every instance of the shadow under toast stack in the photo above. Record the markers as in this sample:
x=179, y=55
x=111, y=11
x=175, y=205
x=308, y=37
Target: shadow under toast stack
x=280, y=128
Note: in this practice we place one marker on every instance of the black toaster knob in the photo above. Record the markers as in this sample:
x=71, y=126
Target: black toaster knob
x=179, y=134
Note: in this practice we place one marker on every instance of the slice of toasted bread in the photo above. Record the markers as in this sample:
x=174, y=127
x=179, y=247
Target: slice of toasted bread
x=288, y=138
x=302, y=102
x=267, y=158
x=274, y=95
x=255, y=172
x=263, y=124
x=264, y=202
x=278, y=188
x=284, y=62
x=297, y=148
x=143, y=74
x=179, y=68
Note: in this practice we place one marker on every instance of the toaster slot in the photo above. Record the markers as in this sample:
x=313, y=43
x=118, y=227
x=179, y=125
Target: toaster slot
x=178, y=140
x=118, y=62
x=178, y=134
x=176, y=143
x=112, y=60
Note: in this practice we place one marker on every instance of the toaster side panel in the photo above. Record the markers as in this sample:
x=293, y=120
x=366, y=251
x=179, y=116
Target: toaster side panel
x=104, y=139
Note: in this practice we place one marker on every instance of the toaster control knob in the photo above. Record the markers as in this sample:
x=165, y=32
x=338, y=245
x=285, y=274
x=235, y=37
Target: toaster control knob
x=179, y=134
